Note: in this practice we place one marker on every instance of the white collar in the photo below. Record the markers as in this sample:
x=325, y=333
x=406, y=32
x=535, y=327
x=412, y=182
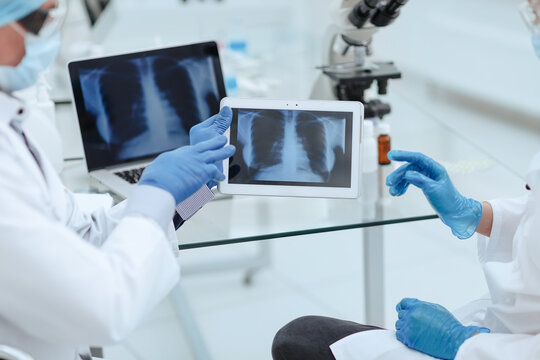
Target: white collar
x=11, y=109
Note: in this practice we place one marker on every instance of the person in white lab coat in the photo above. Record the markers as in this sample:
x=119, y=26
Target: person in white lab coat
x=70, y=279
x=505, y=324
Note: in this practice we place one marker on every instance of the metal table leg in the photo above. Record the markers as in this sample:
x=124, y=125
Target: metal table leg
x=374, y=275
x=374, y=255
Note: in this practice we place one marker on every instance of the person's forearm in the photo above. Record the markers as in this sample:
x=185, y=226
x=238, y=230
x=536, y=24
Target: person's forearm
x=484, y=227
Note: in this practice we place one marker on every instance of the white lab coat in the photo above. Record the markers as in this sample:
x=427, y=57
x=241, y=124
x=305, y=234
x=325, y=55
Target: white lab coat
x=69, y=279
x=511, y=264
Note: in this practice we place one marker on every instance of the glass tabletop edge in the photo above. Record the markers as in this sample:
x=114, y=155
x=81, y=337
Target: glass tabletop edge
x=302, y=232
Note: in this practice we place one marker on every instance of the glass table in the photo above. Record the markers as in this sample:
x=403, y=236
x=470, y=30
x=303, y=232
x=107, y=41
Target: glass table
x=240, y=219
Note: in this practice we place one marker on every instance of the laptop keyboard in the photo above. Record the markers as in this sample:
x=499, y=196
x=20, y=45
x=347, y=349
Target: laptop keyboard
x=131, y=176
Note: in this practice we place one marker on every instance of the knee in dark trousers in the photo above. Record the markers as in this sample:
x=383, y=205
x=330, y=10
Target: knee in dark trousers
x=310, y=337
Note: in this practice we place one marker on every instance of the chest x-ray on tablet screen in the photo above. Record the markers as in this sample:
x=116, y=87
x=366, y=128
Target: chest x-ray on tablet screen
x=308, y=148
x=291, y=147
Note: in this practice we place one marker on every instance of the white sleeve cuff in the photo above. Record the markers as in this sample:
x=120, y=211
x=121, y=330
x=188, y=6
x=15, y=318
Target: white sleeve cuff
x=497, y=219
x=507, y=215
x=153, y=203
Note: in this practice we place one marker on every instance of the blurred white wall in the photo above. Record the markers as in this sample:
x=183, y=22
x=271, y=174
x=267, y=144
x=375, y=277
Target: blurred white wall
x=478, y=48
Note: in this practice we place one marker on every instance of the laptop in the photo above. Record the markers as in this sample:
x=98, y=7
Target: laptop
x=133, y=107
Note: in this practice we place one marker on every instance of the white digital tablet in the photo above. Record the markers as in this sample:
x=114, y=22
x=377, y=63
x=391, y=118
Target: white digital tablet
x=294, y=148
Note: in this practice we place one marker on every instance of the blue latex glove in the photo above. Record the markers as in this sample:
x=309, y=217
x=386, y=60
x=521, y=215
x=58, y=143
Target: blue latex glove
x=183, y=171
x=431, y=329
x=461, y=214
x=214, y=126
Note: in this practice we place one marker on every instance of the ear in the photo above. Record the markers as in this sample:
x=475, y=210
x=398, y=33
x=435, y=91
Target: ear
x=12, y=45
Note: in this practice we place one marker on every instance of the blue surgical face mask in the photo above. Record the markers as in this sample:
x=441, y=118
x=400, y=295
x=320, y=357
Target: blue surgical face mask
x=40, y=53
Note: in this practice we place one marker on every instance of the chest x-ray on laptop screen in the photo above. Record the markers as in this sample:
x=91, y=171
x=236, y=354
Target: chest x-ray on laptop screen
x=138, y=105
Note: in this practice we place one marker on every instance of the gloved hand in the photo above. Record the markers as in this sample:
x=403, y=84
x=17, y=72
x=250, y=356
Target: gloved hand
x=214, y=126
x=461, y=214
x=431, y=329
x=183, y=171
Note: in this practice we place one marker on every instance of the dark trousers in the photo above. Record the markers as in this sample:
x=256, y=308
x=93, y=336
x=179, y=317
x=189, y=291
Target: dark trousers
x=310, y=337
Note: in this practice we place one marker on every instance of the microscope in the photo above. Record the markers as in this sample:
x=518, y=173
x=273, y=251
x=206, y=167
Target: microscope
x=347, y=73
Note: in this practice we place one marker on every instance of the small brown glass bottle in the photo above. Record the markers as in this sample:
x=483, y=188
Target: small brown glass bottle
x=384, y=143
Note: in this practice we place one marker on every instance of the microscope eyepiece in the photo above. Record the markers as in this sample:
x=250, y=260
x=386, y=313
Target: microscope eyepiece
x=386, y=14
x=395, y=5
x=362, y=12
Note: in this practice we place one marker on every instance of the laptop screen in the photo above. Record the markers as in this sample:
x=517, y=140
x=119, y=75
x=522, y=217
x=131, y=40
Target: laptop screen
x=138, y=105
